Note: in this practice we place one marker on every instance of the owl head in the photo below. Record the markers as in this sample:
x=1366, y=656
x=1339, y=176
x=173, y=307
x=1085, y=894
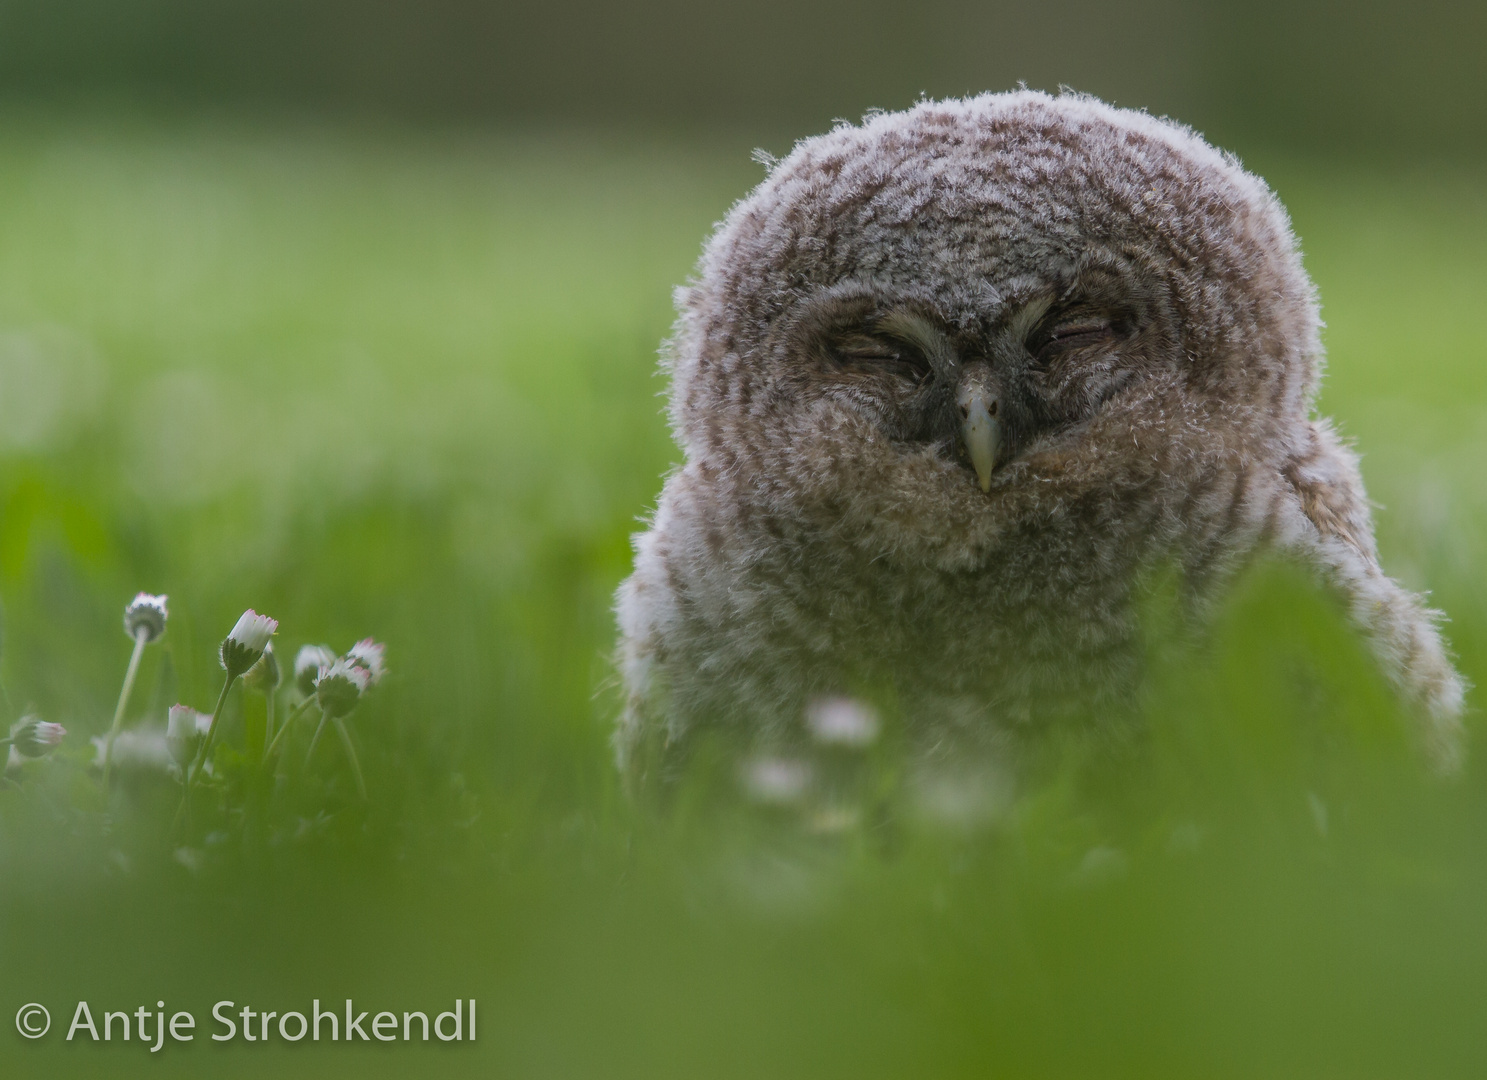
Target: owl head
x=922, y=330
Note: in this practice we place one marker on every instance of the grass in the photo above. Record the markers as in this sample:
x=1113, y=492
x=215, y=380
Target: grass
x=401, y=385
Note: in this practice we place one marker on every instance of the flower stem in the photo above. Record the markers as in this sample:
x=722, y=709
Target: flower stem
x=206, y=746
x=289, y=722
x=315, y=740
x=361, y=785
x=268, y=723
x=141, y=636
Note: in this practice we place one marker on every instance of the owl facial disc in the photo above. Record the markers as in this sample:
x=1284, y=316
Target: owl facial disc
x=980, y=426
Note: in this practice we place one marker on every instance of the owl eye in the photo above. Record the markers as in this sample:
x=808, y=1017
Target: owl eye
x=872, y=354
x=1074, y=328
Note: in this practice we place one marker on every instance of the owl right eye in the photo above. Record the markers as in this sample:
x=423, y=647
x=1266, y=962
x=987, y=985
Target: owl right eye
x=872, y=354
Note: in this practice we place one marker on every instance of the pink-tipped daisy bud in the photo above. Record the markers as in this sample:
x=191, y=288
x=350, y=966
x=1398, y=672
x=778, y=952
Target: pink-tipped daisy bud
x=183, y=727
x=339, y=687
x=370, y=656
x=265, y=676
x=307, y=664
x=33, y=737
x=145, y=617
x=250, y=636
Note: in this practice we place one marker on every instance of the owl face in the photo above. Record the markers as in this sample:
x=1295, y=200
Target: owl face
x=1018, y=372
x=919, y=334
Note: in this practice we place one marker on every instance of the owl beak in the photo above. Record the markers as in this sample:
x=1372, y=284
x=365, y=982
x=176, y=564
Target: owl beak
x=980, y=429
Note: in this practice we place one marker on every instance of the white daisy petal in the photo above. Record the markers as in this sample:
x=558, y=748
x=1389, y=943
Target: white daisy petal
x=145, y=615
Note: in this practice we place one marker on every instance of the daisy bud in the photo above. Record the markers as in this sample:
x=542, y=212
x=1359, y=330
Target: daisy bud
x=141, y=750
x=776, y=781
x=182, y=729
x=339, y=687
x=307, y=664
x=145, y=616
x=33, y=737
x=250, y=636
x=840, y=721
x=369, y=655
x=265, y=675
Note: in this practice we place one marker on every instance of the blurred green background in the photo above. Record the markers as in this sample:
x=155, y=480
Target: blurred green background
x=348, y=313
x=1372, y=78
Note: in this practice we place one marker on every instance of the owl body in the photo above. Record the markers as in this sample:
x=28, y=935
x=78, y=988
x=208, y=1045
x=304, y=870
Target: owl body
x=947, y=385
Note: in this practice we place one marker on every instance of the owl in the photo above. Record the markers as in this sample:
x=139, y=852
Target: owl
x=948, y=385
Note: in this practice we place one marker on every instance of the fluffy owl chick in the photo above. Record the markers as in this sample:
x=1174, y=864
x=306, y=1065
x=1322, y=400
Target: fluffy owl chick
x=948, y=383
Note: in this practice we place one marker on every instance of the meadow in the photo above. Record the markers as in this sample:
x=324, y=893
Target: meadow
x=402, y=384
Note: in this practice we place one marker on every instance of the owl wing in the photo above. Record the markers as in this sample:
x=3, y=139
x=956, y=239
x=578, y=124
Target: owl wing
x=1325, y=518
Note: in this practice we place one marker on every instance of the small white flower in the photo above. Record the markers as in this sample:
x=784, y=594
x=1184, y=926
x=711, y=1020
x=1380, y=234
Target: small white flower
x=183, y=727
x=340, y=686
x=184, y=722
x=776, y=781
x=841, y=721
x=253, y=631
x=138, y=749
x=307, y=664
x=245, y=644
x=145, y=616
x=370, y=655
x=962, y=796
x=33, y=737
